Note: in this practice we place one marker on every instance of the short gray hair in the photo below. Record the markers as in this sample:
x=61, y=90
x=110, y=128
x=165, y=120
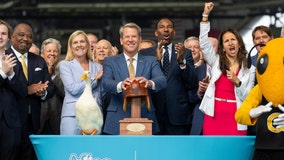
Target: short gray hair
x=50, y=40
x=190, y=38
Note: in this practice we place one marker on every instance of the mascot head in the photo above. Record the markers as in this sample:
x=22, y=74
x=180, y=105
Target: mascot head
x=270, y=71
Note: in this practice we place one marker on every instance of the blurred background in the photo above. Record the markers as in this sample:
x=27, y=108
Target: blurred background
x=59, y=18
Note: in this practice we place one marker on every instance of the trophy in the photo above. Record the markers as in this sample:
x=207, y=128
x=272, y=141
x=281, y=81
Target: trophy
x=135, y=95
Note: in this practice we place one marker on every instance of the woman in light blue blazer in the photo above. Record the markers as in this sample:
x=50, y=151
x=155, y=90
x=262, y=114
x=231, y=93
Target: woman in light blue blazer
x=77, y=61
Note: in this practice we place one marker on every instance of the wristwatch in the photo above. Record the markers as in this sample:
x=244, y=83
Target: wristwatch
x=183, y=62
x=239, y=84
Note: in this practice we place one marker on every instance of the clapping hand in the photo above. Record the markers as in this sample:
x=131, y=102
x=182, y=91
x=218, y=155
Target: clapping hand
x=180, y=49
x=159, y=50
x=38, y=88
x=8, y=62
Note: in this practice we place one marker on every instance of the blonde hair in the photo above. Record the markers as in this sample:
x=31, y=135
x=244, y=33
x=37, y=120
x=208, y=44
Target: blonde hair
x=69, y=54
x=10, y=30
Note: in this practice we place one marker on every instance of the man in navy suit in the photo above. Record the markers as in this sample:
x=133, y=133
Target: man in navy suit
x=38, y=83
x=116, y=78
x=10, y=89
x=172, y=104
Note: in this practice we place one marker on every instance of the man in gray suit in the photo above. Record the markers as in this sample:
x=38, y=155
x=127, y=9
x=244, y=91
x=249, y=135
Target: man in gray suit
x=116, y=78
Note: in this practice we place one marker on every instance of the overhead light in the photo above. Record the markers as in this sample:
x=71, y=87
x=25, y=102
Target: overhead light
x=121, y=5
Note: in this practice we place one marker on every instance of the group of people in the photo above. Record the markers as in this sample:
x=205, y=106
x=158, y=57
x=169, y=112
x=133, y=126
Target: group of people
x=25, y=83
x=194, y=87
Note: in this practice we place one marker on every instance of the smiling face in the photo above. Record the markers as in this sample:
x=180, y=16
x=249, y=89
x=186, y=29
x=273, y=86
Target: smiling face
x=165, y=31
x=130, y=41
x=230, y=44
x=51, y=52
x=194, y=46
x=22, y=38
x=103, y=49
x=4, y=38
x=79, y=46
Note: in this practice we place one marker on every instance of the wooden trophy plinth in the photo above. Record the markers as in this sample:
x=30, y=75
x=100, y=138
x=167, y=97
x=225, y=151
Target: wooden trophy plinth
x=135, y=125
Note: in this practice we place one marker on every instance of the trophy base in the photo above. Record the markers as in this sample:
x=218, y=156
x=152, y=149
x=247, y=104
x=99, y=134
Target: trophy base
x=135, y=126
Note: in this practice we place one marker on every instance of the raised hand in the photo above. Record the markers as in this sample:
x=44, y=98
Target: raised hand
x=208, y=7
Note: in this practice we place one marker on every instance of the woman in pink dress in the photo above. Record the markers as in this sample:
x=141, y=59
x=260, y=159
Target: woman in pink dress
x=230, y=82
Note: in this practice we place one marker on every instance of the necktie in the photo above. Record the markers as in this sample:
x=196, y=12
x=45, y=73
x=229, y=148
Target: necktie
x=131, y=68
x=24, y=66
x=166, y=61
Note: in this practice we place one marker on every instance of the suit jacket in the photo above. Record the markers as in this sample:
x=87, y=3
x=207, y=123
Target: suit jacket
x=10, y=91
x=115, y=71
x=175, y=98
x=51, y=109
x=197, y=115
x=37, y=71
x=70, y=73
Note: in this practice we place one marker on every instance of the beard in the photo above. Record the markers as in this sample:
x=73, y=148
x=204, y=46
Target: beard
x=24, y=48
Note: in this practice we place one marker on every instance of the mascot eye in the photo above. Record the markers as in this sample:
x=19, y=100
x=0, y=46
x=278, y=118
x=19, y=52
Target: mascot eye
x=262, y=64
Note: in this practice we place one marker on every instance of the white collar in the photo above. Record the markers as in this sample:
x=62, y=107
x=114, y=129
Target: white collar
x=126, y=57
x=18, y=54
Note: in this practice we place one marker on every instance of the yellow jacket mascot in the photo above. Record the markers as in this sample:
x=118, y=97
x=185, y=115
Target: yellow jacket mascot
x=264, y=104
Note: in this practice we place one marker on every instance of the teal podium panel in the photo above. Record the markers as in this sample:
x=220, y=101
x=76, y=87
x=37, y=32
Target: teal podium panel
x=104, y=147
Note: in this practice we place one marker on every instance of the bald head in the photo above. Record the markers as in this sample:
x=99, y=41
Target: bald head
x=22, y=38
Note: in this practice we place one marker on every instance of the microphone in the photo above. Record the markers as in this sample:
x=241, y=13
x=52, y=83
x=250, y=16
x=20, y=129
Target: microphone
x=249, y=57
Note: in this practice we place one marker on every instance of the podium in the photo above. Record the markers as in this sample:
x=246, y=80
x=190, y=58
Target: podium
x=135, y=95
x=107, y=147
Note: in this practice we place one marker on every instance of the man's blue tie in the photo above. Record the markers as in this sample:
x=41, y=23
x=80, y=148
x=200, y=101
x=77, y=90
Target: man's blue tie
x=166, y=61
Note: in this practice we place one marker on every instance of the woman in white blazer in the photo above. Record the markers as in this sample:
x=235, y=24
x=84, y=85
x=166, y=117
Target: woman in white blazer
x=230, y=82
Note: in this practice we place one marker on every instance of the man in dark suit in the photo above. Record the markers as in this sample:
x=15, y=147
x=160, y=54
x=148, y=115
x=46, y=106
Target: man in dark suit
x=38, y=82
x=116, y=77
x=173, y=110
x=10, y=89
x=51, y=108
